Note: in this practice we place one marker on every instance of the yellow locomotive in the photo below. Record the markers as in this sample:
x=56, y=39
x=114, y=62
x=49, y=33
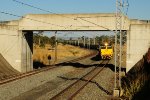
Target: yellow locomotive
x=106, y=51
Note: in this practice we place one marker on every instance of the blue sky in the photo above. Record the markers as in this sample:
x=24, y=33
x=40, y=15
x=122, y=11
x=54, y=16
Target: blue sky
x=138, y=9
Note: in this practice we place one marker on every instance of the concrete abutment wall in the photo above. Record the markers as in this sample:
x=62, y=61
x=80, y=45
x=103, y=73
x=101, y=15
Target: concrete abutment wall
x=10, y=45
x=16, y=47
x=27, y=51
x=138, y=42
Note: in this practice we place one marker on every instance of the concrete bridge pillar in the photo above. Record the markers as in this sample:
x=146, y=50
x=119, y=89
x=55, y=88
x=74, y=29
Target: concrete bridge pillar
x=138, y=42
x=10, y=45
x=16, y=47
x=27, y=51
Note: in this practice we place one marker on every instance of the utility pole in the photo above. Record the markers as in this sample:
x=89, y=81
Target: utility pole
x=75, y=42
x=89, y=42
x=40, y=34
x=94, y=40
x=78, y=41
x=84, y=41
x=117, y=84
x=55, y=47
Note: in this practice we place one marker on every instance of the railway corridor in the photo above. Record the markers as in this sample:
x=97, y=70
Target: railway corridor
x=100, y=87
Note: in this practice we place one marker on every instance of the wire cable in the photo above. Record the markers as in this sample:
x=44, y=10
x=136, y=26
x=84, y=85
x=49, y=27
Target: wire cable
x=30, y=19
x=96, y=24
x=40, y=9
x=59, y=14
x=3, y=26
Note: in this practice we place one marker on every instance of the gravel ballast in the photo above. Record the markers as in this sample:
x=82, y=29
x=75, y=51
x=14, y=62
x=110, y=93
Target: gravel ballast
x=100, y=88
x=45, y=85
x=15, y=88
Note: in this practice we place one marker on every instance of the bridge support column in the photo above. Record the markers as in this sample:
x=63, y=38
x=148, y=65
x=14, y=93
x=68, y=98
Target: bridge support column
x=10, y=45
x=27, y=51
x=138, y=42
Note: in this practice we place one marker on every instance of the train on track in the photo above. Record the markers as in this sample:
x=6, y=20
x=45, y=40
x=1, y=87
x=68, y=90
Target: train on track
x=106, y=51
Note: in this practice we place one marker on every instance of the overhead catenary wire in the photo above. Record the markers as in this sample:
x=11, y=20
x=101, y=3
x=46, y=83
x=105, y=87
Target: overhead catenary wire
x=41, y=9
x=29, y=5
x=52, y=23
x=52, y=13
x=96, y=24
x=3, y=26
x=30, y=19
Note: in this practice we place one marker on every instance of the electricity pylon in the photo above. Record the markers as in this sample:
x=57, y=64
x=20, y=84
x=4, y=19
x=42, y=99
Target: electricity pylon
x=117, y=83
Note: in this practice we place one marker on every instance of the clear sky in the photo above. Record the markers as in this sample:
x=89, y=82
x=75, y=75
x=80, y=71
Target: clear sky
x=138, y=9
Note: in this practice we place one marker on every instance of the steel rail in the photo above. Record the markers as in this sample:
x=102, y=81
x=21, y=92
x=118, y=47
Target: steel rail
x=74, y=94
x=79, y=80
x=22, y=75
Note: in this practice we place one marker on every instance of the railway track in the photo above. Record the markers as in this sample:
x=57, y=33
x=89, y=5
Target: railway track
x=73, y=89
x=22, y=75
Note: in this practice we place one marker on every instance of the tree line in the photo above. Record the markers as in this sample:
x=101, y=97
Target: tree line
x=41, y=40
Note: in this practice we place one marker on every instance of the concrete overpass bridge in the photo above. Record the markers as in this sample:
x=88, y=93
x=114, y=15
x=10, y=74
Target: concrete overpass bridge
x=16, y=36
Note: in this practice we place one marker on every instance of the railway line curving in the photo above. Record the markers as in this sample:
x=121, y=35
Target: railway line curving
x=73, y=89
x=22, y=75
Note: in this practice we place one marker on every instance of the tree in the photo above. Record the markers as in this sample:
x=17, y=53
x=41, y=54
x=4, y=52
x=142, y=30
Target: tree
x=52, y=41
x=43, y=40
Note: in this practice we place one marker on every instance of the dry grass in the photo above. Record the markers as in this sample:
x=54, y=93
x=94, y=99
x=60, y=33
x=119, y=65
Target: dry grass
x=124, y=51
x=136, y=79
x=64, y=51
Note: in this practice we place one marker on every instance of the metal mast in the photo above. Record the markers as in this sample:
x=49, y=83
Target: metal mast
x=55, y=48
x=119, y=6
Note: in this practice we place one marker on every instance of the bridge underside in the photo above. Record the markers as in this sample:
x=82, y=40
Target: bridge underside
x=20, y=32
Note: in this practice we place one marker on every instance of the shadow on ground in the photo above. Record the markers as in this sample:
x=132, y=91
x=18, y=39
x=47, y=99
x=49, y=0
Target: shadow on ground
x=94, y=82
x=96, y=58
x=77, y=65
x=37, y=64
x=112, y=67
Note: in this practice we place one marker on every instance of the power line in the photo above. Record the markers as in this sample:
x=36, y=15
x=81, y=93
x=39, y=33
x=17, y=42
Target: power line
x=96, y=24
x=40, y=9
x=30, y=19
x=51, y=23
x=52, y=13
x=59, y=14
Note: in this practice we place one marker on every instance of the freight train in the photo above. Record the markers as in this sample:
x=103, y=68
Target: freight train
x=106, y=51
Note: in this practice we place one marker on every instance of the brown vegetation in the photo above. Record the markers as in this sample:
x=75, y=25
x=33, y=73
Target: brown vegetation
x=63, y=52
x=136, y=84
